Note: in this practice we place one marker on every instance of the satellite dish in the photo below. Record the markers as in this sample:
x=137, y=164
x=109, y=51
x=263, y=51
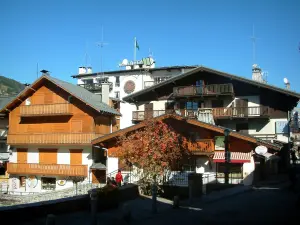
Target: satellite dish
x=125, y=62
x=285, y=80
x=261, y=150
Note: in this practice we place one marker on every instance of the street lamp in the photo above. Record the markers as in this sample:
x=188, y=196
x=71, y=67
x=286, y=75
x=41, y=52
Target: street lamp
x=227, y=155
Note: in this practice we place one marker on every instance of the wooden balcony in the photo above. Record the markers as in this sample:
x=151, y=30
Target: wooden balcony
x=52, y=138
x=45, y=110
x=241, y=112
x=142, y=115
x=47, y=169
x=207, y=90
x=202, y=147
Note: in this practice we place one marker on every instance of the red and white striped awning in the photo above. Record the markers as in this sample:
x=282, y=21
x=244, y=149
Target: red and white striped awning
x=235, y=157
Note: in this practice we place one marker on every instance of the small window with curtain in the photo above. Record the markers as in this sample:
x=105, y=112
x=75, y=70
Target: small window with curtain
x=192, y=106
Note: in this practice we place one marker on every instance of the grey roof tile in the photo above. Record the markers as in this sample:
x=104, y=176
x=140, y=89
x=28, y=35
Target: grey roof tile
x=85, y=95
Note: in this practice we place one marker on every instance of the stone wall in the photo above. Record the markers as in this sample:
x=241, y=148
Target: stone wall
x=25, y=212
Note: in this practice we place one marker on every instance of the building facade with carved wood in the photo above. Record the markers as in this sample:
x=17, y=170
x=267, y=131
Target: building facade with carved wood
x=206, y=150
x=220, y=98
x=51, y=125
x=240, y=104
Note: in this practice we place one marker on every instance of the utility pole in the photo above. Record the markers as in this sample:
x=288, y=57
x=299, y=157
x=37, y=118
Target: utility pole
x=227, y=155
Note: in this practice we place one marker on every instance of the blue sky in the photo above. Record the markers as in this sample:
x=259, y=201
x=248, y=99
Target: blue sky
x=57, y=34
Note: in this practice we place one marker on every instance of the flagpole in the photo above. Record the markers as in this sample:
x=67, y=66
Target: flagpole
x=134, y=52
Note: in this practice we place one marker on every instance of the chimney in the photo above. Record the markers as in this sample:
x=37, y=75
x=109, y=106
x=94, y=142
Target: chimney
x=256, y=73
x=82, y=70
x=45, y=72
x=105, y=93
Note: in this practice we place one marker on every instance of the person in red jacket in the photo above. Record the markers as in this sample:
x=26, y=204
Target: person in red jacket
x=119, y=178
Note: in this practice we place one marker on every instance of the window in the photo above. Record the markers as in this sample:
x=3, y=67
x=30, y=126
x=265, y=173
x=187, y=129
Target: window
x=22, y=181
x=217, y=103
x=192, y=106
x=160, y=79
x=48, y=183
x=89, y=81
x=199, y=82
x=117, y=84
x=117, y=94
x=3, y=146
x=235, y=170
x=2, y=170
x=242, y=128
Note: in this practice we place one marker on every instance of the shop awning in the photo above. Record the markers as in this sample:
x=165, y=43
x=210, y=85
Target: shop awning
x=235, y=157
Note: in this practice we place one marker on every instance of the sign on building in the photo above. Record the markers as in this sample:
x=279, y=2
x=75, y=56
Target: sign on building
x=219, y=142
x=281, y=127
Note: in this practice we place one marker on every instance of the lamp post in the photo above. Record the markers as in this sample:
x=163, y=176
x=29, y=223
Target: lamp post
x=227, y=155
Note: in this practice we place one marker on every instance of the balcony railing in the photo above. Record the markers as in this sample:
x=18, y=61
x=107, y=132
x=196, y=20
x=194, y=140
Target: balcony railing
x=52, y=138
x=47, y=109
x=92, y=86
x=142, y=115
x=243, y=112
x=47, y=169
x=207, y=90
x=97, y=87
x=202, y=146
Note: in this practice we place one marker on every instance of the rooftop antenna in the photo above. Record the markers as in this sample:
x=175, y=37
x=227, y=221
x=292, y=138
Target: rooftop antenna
x=101, y=44
x=86, y=56
x=150, y=53
x=253, y=38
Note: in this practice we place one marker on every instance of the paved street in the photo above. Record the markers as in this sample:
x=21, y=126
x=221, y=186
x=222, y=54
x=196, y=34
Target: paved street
x=266, y=205
x=262, y=206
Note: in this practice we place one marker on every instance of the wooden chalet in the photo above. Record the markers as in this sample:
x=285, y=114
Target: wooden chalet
x=204, y=145
x=51, y=125
x=217, y=97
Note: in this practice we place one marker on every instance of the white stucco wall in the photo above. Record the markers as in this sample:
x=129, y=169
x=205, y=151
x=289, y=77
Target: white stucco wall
x=261, y=127
x=112, y=164
x=32, y=155
x=63, y=156
x=248, y=172
x=13, y=158
x=253, y=101
x=203, y=165
x=38, y=188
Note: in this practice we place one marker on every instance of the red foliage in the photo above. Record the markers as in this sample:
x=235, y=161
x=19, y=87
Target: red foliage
x=154, y=148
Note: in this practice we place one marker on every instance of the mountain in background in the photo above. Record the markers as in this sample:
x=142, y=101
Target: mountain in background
x=9, y=86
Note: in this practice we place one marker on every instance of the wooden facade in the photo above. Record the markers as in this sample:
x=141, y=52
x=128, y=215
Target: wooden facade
x=220, y=92
x=47, y=169
x=201, y=137
x=54, y=117
x=50, y=117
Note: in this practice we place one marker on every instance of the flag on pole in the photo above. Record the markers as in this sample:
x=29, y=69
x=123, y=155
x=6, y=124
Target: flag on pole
x=137, y=45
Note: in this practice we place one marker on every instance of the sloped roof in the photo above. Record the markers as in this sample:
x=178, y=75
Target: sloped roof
x=189, y=121
x=81, y=93
x=220, y=73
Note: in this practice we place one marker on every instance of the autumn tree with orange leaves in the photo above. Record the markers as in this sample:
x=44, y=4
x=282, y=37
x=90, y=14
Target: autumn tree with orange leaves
x=154, y=149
